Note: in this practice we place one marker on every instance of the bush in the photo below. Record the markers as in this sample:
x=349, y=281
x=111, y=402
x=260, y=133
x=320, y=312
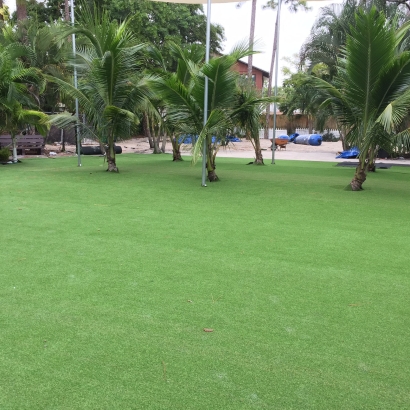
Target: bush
x=4, y=154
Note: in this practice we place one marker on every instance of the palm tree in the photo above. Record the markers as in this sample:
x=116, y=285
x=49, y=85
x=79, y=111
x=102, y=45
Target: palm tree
x=247, y=116
x=185, y=102
x=371, y=95
x=110, y=86
x=328, y=36
x=17, y=95
x=294, y=5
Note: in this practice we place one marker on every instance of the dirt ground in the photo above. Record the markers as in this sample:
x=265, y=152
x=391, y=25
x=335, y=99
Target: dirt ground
x=244, y=149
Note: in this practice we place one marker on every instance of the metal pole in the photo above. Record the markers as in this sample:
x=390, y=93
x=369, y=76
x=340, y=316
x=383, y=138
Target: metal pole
x=208, y=40
x=276, y=84
x=76, y=86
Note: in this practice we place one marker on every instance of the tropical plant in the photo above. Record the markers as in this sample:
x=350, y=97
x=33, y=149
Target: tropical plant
x=185, y=102
x=110, y=87
x=371, y=95
x=18, y=89
x=293, y=5
x=246, y=116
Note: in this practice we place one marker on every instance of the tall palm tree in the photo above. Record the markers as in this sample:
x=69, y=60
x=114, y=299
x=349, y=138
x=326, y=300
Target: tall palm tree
x=293, y=5
x=110, y=86
x=371, y=95
x=328, y=36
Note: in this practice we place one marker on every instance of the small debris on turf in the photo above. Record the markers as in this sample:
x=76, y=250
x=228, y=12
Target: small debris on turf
x=208, y=330
x=190, y=301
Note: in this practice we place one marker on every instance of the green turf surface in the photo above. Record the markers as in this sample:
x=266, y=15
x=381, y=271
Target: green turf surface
x=108, y=280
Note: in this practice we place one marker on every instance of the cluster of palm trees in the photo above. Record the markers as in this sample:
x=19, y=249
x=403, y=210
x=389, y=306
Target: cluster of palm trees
x=359, y=73
x=121, y=84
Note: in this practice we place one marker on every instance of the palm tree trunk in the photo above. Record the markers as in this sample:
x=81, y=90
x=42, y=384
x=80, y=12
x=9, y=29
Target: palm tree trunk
x=21, y=6
x=359, y=177
x=147, y=130
x=210, y=165
x=110, y=151
x=164, y=142
x=251, y=40
x=176, y=149
x=14, y=145
x=258, y=152
x=272, y=63
x=66, y=11
x=62, y=140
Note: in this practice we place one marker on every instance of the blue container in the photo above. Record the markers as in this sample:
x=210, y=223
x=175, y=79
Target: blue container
x=310, y=139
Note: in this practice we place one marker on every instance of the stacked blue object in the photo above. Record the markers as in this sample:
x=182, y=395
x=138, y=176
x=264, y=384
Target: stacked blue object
x=293, y=136
x=310, y=139
x=349, y=154
x=283, y=137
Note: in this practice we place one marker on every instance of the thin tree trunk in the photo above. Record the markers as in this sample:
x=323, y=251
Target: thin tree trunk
x=164, y=143
x=272, y=63
x=210, y=165
x=110, y=151
x=258, y=152
x=66, y=10
x=251, y=40
x=62, y=140
x=14, y=144
x=147, y=130
x=310, y=124
x=155, y=138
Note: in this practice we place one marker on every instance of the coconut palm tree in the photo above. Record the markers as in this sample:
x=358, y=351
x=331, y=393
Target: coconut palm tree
x=185, y=102
x=246, y=116
x=18, y=86
x=110, y=85
x=371, y=95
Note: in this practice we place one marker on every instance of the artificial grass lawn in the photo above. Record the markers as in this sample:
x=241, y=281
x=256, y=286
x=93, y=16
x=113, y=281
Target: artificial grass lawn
x=107, y=282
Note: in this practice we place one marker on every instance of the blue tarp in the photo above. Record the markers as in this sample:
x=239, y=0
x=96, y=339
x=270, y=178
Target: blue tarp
x=310, y=139
x=351, y=153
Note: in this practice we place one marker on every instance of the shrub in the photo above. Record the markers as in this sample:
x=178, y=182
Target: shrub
x=4, y=154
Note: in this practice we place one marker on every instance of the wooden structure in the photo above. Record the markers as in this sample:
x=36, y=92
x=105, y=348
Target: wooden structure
x=25, y=143
x=258, y=75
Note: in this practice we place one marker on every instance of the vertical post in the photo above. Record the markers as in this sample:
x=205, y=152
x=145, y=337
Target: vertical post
x=207, y=52
x=77, y=133
x=276, y=84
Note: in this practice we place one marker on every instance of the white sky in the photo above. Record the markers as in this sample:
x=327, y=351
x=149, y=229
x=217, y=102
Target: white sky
x=294, y=28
